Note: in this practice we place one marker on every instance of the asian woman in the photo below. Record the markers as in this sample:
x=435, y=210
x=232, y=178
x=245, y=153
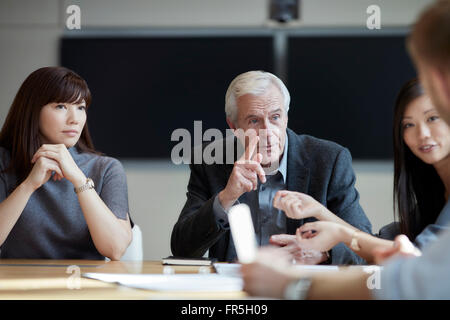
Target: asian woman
x=60, y=198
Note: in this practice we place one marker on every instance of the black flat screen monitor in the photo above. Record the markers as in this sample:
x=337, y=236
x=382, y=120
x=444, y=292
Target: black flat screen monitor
x=144, y=88
x=343, y=88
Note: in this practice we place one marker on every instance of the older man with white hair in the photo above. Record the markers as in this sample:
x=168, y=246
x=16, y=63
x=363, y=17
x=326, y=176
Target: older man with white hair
x=274, y=158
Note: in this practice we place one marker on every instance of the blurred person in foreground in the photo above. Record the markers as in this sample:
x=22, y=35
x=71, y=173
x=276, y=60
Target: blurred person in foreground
x=405, y=275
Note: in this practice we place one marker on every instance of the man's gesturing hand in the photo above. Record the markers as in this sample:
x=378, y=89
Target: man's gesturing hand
x=244, y=177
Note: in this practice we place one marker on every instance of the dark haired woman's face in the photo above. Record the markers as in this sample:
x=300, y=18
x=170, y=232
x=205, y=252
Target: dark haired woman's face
x=424, y=132
x=62, y=123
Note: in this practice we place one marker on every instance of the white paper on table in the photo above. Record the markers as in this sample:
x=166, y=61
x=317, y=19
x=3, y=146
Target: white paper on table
x=173, y=282
x=243, y=232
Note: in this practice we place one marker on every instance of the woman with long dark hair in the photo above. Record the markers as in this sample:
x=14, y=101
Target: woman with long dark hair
x=60, y=199
x=421, y=165
x=421, y=185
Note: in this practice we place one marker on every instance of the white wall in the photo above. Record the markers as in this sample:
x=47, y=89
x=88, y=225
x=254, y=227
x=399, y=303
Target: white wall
x=29, y=34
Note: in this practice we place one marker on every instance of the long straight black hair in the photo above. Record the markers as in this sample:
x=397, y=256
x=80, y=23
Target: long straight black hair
x=418, y=190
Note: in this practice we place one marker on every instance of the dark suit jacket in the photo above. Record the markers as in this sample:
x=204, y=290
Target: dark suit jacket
x=320, y=168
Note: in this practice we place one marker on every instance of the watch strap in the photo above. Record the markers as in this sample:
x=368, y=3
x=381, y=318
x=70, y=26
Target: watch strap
x=88, y=185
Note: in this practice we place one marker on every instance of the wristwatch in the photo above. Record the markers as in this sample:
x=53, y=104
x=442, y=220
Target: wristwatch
x=88, y=185
x=298, y=289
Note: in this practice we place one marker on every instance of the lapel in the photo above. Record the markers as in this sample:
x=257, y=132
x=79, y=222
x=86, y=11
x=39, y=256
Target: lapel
x=297, y=174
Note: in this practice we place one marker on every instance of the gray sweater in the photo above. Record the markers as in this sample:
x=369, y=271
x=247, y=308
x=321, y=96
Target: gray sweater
x=52, y=225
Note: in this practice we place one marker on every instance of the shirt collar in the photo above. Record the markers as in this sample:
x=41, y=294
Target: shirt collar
x=73, y=150
x=282, y=168
x=283, y=164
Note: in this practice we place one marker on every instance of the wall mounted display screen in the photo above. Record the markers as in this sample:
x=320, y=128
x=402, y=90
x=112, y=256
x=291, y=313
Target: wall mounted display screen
x=344, y=88
x=144, y=88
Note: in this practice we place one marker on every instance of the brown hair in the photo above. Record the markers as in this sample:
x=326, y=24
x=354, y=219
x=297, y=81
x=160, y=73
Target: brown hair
x=20, y=132
x=430, y=36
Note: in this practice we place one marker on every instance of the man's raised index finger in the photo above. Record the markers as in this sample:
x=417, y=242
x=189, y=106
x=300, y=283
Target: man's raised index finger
x=251, y=148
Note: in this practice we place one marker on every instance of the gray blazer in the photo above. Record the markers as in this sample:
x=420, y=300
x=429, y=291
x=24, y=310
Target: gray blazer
x=320, y=168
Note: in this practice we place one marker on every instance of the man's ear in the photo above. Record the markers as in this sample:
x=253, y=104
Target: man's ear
x=446, y=84
x=231, y=124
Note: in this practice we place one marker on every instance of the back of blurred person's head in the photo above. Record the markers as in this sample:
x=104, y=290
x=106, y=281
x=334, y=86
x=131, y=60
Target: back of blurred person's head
x=429, y=46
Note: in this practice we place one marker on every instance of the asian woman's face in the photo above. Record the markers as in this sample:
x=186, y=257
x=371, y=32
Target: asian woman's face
x=425, y=133
x=62, y=123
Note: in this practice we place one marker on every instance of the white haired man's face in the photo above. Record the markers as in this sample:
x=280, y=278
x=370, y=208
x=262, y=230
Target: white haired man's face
x=266, y=115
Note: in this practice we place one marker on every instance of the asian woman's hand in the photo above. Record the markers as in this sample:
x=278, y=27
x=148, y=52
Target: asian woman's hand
x=401, y=247
x=321, y=235
x=298, y=205
x=60, y=154
x=301, y=255
x=42, y=171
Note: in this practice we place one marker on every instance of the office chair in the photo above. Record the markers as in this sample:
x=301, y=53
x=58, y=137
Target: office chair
x=134, y=251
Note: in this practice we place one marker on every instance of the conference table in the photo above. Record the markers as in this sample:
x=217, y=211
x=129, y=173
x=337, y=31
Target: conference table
x=63, y=280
